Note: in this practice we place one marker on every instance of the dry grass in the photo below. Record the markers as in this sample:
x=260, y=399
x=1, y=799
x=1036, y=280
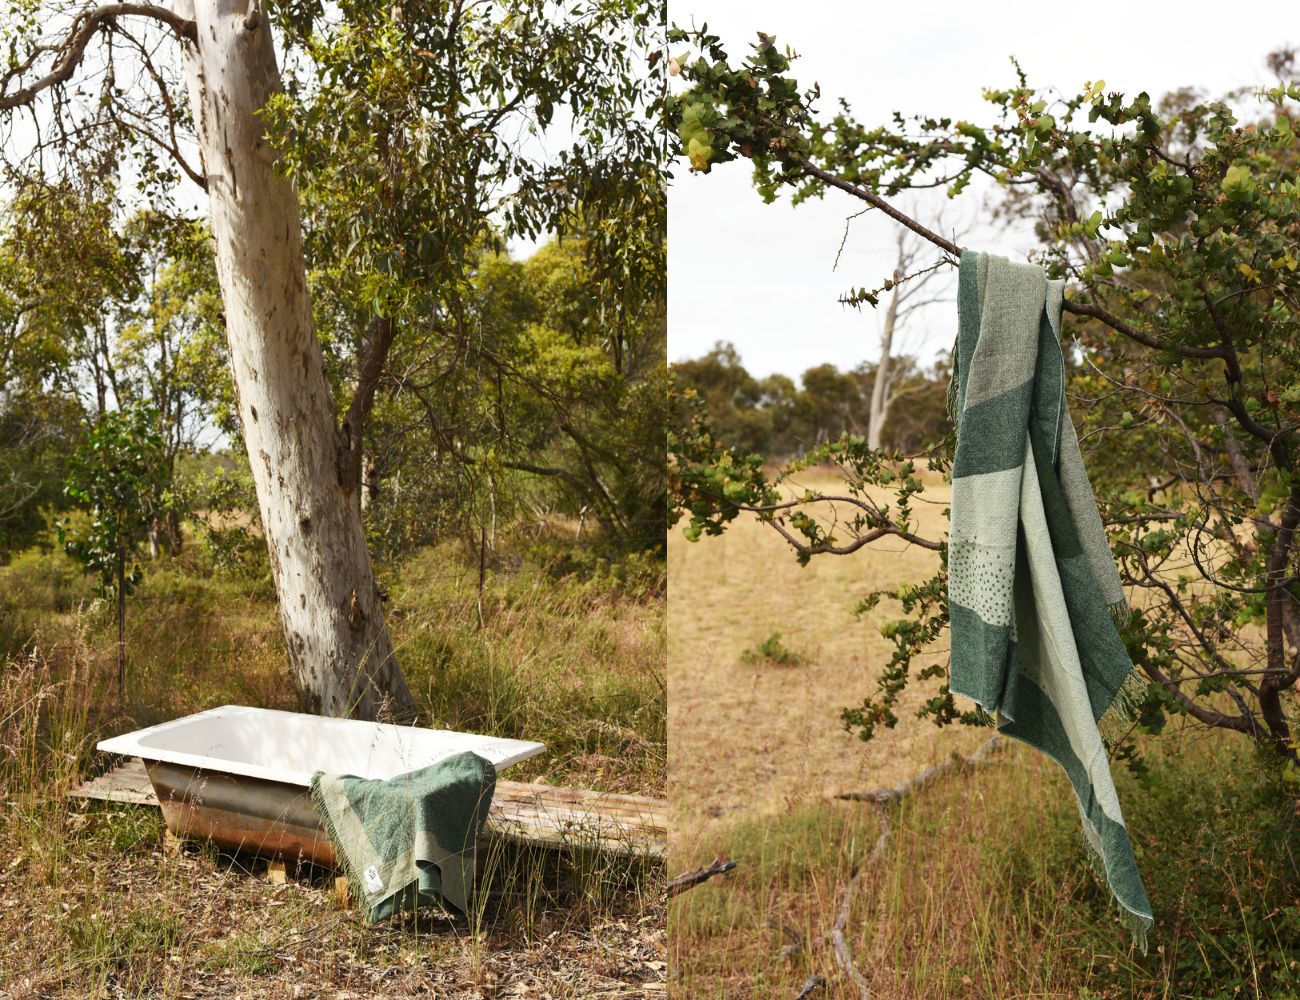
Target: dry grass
x=751, y=737
x=90, y=906
x=580, y=662
x=984, y=890
x=914, y=937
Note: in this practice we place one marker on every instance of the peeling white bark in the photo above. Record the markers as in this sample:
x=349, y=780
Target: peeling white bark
x=338, y=644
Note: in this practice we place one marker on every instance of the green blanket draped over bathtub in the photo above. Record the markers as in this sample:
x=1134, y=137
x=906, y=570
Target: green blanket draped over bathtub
x=409, y=840
x=1033, y=591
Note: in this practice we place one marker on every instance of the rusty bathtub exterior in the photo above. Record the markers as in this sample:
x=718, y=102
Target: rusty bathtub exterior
x=240, y=776
x=253, y=815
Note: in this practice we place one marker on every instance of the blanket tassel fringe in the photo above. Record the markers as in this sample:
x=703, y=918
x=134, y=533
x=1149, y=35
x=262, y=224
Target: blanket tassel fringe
x=353, y=877
x=1114, y=724
x=1134, y=924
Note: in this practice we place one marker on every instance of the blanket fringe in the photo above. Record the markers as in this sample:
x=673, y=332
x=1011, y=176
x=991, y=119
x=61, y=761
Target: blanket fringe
x=950, y=403
x=344, y=862
x=1123, y=708
x=1137, y=925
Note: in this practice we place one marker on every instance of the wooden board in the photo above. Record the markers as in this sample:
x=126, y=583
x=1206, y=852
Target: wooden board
x=128, y=783
x=526, y=812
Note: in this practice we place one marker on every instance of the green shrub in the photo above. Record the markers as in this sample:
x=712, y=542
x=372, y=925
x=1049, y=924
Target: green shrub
x=773, y=651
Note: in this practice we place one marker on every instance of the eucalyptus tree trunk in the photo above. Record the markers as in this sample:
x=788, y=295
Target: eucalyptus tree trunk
x=338, y=645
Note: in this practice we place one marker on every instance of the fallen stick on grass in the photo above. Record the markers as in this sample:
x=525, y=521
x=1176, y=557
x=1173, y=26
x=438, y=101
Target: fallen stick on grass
x=839, y=941
x=884, y=796
x=690, y=880
x=794, y=939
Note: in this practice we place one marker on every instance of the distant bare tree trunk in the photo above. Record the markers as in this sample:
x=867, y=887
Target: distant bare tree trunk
x=880, y=396
x=369, y=479
x=905, y=298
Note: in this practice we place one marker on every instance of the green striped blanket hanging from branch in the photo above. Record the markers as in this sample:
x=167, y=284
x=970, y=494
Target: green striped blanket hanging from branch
x=1033, y=592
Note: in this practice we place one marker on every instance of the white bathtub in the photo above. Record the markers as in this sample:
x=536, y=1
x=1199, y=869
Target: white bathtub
x=291, y=747
x=239, y=776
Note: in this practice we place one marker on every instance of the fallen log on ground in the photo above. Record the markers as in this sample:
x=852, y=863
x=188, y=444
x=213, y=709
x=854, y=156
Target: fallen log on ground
x=883, y=798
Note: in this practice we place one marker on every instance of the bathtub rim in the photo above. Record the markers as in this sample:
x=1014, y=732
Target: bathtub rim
x=130, y=745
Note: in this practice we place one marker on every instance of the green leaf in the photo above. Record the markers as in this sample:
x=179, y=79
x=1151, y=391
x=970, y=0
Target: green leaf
x=1238, y=182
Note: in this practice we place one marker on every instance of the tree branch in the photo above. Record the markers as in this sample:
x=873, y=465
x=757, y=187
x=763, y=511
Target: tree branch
x=73, y=48
x=948, y=246
x=889, y=528
x=874, y=200
x=170, y=109
x=536, y=470
x=690, y=880
x=380, y=339
x=1240, y=723
x=1119, y=326
x=884, y=796
x=1279, y=676
x=172, y=149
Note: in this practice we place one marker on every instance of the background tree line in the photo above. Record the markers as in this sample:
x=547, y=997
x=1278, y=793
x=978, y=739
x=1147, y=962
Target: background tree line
x=780, y=418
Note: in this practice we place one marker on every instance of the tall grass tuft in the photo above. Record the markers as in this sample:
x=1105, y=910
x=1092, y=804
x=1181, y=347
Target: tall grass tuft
x=577, y=663
x=44, y=752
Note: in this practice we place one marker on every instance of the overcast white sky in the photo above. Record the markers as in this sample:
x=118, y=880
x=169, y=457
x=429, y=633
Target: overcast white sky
x=761, y=275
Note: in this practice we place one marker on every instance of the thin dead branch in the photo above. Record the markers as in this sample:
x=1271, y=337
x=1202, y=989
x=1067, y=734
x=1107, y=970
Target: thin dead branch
x=793, y=939
x=69, y=53
x=690, y=880
x=883, y=798
x=886, y=796
x=839, y=940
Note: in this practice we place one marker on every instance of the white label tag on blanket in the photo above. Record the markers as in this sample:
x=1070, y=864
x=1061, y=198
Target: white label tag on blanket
x=373, y=882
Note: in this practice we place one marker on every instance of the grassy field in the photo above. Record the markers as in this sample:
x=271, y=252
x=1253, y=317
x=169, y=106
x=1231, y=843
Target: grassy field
x=751, y=735
x=982, y=888
x=92, y=907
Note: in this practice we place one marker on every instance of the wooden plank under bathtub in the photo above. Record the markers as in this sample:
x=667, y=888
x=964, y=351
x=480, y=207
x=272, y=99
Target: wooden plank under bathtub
x=127, y=783
x=527, y=812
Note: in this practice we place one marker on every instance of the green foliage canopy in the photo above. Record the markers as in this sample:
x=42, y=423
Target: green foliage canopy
x=423, y=139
